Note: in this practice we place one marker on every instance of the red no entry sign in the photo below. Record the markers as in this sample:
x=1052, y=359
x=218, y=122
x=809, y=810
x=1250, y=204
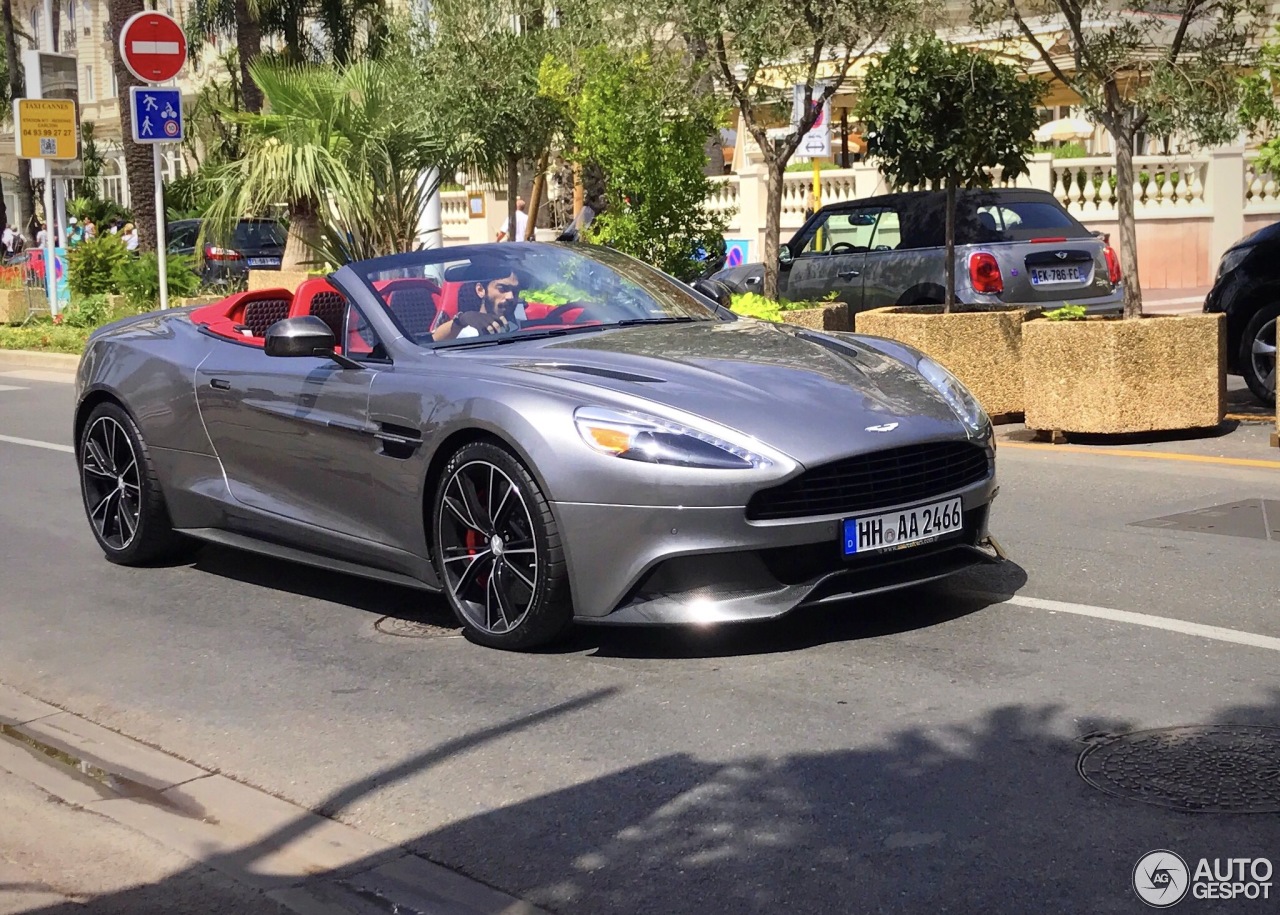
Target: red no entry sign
x=153, y=47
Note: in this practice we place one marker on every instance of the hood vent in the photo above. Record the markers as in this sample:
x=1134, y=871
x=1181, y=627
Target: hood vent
x=615, y=374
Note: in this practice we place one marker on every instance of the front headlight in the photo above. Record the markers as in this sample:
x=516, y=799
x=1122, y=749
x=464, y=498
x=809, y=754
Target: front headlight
x=640, y=437
x=957, y=396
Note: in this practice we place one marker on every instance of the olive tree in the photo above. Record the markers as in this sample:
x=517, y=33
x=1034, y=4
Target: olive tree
x=942, y=114
x=1150, y=66
x=760, y=49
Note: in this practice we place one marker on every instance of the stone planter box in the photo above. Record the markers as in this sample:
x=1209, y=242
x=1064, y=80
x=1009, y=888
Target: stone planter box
x=981, y=348
x=276, y=279
x=1114, y=376
x=196, y=300
x=829, y=317
x=13, y=306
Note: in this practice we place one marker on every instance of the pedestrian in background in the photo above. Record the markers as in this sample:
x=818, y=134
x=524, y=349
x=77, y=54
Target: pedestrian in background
x=130, y=236
x=522, y=222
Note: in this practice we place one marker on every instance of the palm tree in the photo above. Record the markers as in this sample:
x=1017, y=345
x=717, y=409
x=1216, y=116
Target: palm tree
x=344, y=149
x=139, y=165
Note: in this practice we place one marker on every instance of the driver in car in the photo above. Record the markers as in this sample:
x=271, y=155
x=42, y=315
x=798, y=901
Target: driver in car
x=487, y=305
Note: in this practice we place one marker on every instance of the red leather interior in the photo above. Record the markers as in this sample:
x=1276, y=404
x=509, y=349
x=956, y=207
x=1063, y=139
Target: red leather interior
x=245, y=316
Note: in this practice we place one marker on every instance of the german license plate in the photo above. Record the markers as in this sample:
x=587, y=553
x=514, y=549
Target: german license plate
x=1047, y=276
x=264, y=262
x=895, y=530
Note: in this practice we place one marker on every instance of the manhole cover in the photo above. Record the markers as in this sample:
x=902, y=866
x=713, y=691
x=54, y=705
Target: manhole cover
x=1257, y=519
x=413, y=629
x=1205, y=769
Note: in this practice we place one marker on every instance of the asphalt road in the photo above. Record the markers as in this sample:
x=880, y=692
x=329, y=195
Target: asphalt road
x=910, y=753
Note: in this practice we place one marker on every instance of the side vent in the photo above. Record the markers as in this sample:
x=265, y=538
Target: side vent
x=399, y=442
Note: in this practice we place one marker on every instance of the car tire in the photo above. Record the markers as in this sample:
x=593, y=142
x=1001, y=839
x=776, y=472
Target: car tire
x=121, y=492
x=1254, y=360
x=497, y=550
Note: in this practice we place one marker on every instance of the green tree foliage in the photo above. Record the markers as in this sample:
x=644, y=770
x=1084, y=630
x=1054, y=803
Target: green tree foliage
x=478, y=65
x=1147, y=66
x=637, y=118
x=346, y=149
x=1258, y=109
x=940, y=114
x=138, y=279
x=759, y=49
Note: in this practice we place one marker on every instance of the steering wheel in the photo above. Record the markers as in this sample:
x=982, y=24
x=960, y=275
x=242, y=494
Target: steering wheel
x=843, y=247
x=556, y=315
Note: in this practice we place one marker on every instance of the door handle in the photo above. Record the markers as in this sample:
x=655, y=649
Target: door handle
x=221, y=384
x=848, y=274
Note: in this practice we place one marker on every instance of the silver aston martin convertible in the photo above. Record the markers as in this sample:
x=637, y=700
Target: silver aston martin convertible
x=544, y=433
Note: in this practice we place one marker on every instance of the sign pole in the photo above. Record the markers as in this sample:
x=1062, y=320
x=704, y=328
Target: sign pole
x=50, y=268
x=161, y=253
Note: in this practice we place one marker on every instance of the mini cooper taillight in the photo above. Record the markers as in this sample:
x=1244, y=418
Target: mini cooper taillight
x=984, y=274
x=1113, y=264
x=214, y=253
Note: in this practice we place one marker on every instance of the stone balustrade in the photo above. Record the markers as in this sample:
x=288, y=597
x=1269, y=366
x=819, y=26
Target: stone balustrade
x=1261, y=188
x=1173, y=185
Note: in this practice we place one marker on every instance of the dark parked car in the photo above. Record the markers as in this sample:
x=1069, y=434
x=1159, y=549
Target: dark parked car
x=1014, y=246
x=256, y=244
x=1247, y=290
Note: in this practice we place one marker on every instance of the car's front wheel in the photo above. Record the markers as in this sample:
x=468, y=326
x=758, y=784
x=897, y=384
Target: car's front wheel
x=497, y=550
x=1257, y=357
x=121, y=493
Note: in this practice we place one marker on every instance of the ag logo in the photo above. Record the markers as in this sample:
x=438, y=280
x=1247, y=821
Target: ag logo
x=1161, y=879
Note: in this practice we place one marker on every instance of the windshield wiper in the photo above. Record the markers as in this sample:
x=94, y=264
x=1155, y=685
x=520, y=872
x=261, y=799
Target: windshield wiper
x=516, y=337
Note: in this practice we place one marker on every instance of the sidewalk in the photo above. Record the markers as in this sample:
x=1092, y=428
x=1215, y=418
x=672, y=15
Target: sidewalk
x=1173, y=301
x=58, y=858
x=94, y=821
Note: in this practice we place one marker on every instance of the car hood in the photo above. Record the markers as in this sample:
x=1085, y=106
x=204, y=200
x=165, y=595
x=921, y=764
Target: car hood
x=812, y=396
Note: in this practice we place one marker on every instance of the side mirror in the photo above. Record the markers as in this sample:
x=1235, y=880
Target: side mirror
x=784, y=255
x=716, y=291
x=302, y=336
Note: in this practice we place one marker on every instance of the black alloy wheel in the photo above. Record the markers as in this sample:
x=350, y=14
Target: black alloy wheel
x=1257, y=357
x=497, y=551
x=122, y=497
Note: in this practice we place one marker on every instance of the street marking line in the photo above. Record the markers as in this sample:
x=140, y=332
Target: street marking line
x=12, y=387
x=32, y=443
x=1219, y=633
x=1153, y=455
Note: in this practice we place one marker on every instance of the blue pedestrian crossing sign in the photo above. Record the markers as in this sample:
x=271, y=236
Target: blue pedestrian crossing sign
x=157, y=114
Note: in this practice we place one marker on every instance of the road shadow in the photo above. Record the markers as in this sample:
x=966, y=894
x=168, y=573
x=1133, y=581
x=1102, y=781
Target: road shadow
x=977, y=814
x=855, y=619
x=1130, y=439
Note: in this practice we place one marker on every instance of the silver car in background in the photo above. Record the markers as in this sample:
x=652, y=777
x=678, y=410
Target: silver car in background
x=1013, y=247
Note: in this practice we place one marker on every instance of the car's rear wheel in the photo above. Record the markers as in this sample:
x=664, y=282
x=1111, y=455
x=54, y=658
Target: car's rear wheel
x=1257, y=358
x=121, y=493
x=497, y=550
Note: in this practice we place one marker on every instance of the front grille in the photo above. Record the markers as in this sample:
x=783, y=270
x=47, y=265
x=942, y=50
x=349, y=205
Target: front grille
x=880, y=479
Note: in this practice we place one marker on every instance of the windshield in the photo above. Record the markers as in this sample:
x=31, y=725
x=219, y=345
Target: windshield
x=486, y=293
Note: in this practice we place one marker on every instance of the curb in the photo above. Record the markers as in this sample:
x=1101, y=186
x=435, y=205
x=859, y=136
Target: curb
x=67, y=362
x=308, y=863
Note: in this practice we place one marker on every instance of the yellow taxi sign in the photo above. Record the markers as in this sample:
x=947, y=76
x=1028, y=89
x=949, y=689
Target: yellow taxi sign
x=45, y=128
